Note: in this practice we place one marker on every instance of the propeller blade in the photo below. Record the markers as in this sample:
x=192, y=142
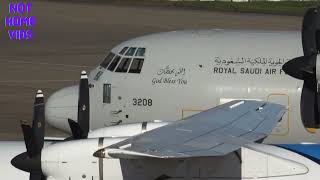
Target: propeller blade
x=77, y=132
x=84, y=104
x=37, y=176
x=38, y=122
x=310, y=35
x=27, y=135
x=80, y=129
x=308, y=104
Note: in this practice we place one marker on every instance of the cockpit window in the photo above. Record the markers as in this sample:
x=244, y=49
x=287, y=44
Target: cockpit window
x=123, y=50
x=136, y=65
x=123, y=65
x=129, y=60
x=140, y=52
x=131, y=51
x=107, y=60
x=114, y=63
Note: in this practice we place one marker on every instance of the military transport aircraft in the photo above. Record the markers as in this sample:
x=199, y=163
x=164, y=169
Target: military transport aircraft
x=219, y=143
x=173, y=75
x=175, y=70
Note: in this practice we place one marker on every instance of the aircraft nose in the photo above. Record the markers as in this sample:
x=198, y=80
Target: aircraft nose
x=61, y=106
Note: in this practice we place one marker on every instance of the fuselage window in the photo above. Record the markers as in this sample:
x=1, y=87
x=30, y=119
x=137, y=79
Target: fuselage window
x=114, y=63
x=97, y=77
x=131, y=51
x=123, y=50
x=123, y=65
x=106, y=93
x=140, y=52
x=107, y=60
x=136, y=65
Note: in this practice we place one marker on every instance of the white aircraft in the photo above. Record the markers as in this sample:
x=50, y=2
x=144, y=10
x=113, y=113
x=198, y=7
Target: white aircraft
x=173, y=75
x=220, y=143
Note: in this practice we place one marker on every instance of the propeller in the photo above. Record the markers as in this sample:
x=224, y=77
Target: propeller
x=80, y=129
x=30, y=161
x=305, y=68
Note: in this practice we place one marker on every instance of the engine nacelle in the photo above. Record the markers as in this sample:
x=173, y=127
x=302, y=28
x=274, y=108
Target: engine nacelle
x=74, y=159
x=126, y=130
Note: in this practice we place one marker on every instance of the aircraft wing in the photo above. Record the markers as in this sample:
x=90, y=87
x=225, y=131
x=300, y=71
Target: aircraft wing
x=215, y=132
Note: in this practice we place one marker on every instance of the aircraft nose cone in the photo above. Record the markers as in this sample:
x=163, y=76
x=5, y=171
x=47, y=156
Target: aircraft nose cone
x=61, y=106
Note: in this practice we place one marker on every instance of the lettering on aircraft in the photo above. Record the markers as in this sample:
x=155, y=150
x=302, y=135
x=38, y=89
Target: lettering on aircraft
x=248, y=65
x=142, y=102
x=18, y=22
x=170, y=75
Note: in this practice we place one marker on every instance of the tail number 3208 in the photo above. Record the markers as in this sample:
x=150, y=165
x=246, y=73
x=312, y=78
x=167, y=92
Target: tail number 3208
x=142, y=102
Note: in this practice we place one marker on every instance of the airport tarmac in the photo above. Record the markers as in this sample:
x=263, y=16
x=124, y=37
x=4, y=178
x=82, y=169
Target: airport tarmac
x=70, y=37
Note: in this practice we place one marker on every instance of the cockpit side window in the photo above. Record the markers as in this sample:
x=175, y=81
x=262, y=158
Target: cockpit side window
x=107, y=60
x=140, y=52
x=107, y=93
x=136, y=65
x=123, y=65
x=114, y=63
x=123, y=50
x=131, y=51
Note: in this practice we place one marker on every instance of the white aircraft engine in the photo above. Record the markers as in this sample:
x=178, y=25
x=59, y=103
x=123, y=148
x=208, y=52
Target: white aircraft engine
x=73, y=159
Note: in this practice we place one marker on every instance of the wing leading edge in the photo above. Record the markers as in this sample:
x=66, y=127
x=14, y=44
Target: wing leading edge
x=215, y=132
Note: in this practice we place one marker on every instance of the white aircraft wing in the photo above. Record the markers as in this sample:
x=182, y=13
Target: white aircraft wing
x=215, y=132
